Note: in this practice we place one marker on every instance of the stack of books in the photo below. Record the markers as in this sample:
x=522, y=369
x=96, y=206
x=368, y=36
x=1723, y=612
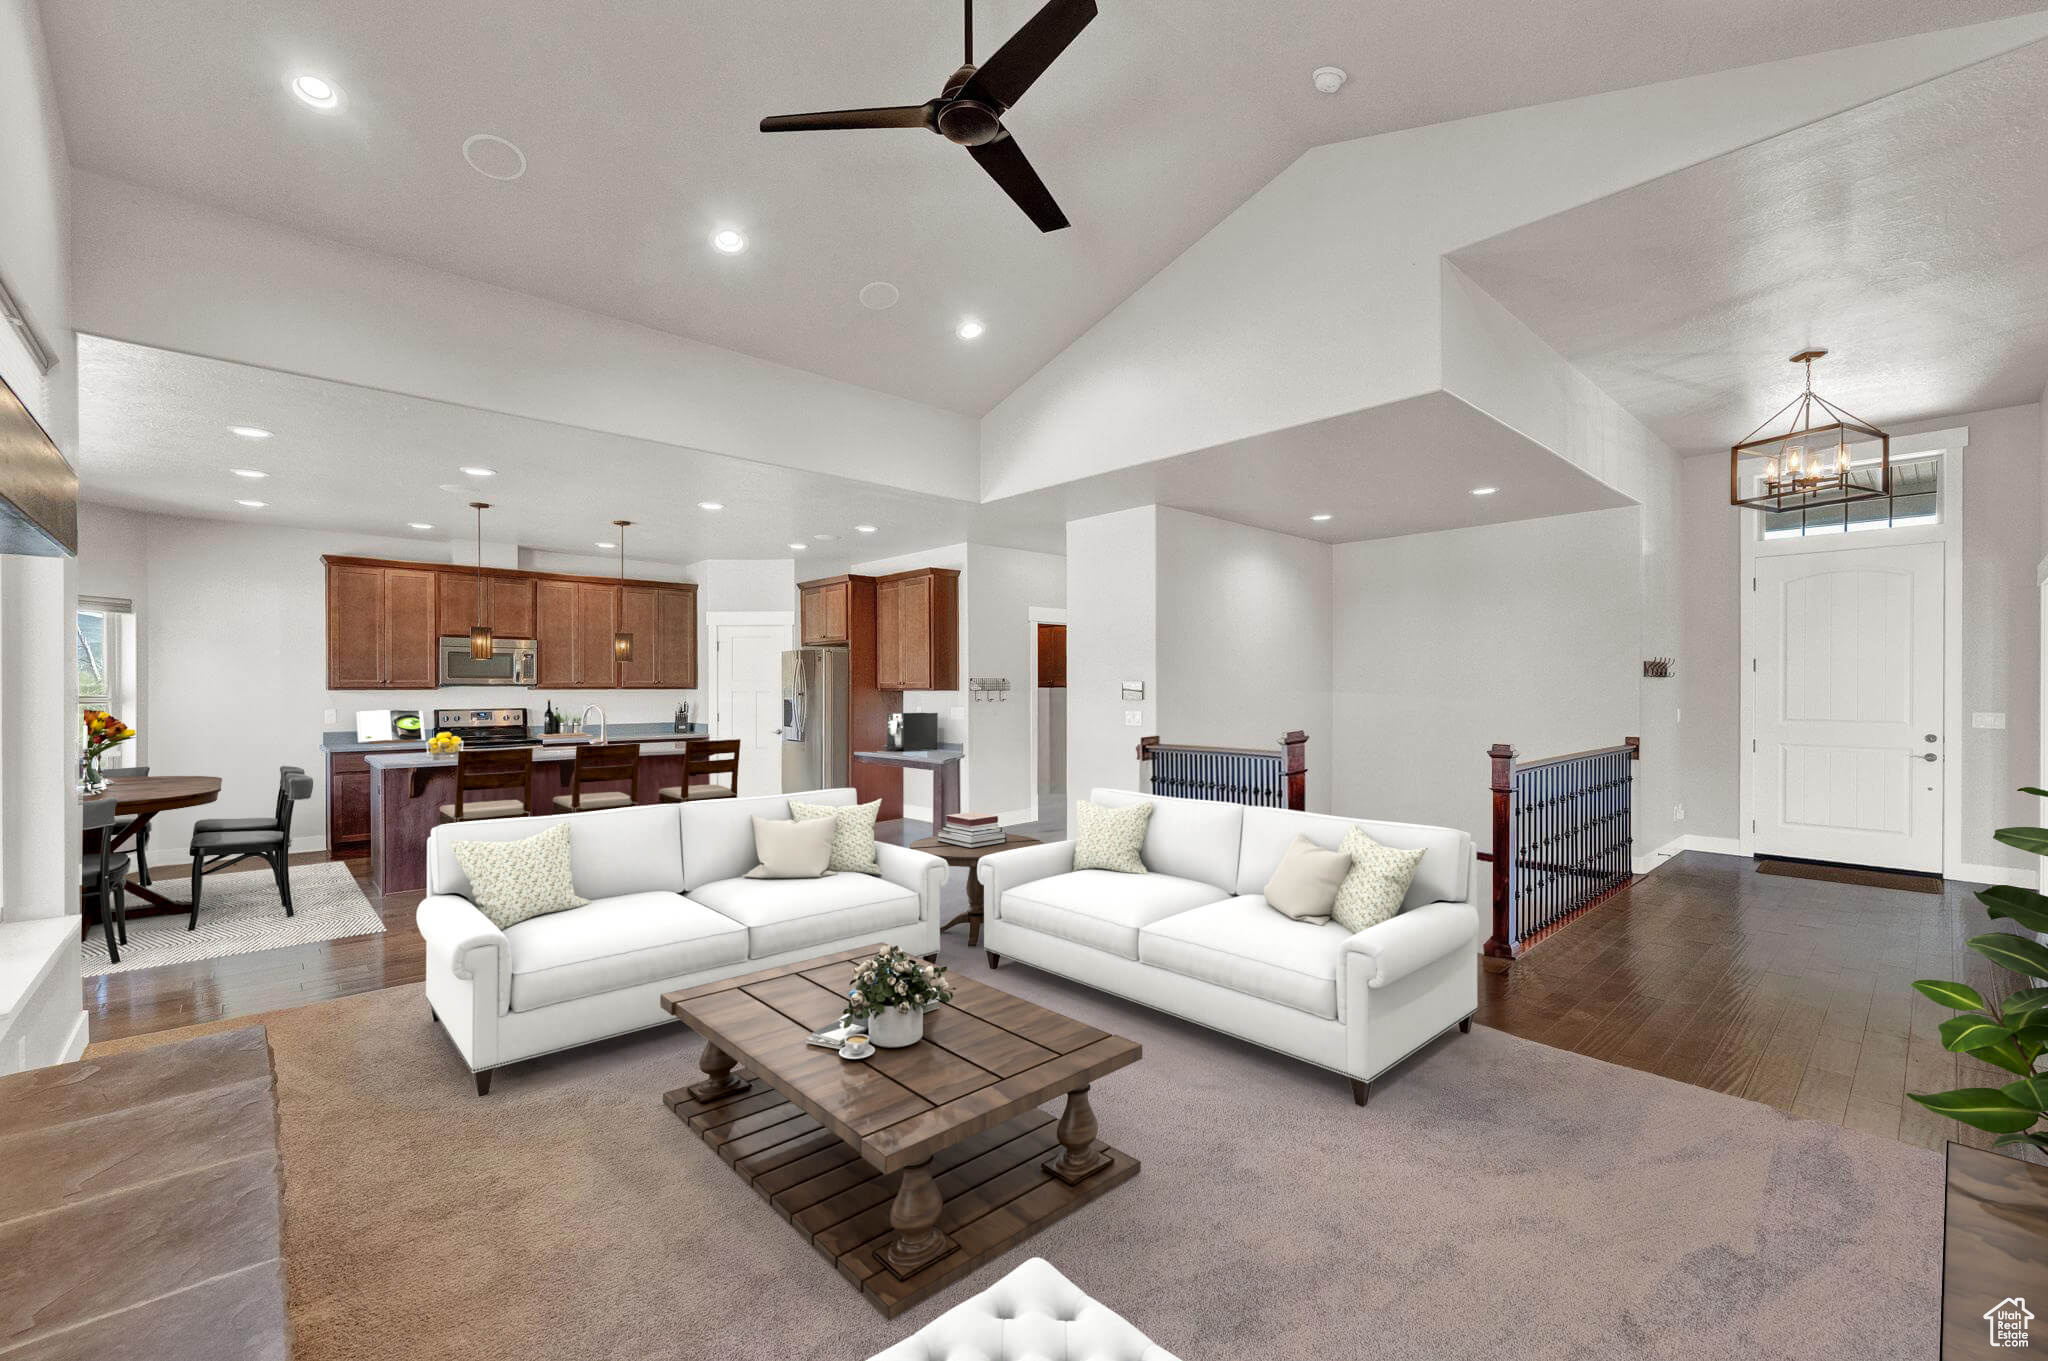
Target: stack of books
x=971, y=829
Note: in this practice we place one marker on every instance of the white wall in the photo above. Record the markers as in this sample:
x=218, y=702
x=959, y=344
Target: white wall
x=1525, y=633
x=1002, y=585
x=234, y=659
x=1244, y=643
x=1112, y=632
x=1710, y=662
x=158, y=270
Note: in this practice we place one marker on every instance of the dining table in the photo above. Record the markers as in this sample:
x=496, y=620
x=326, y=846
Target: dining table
x=143, y=797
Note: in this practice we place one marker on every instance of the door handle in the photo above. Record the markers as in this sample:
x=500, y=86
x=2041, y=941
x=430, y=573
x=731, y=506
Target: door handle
x=1927, y=756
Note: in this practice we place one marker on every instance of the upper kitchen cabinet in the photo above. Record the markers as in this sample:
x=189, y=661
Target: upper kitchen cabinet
x=381, y=627
x=826, y=611
x=505, y=603
x=663, y=622
x=917, y=630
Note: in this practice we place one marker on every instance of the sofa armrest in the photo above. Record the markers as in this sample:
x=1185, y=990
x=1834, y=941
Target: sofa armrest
x=1010, y=869
x=1399, y=946
x=475, y=949
x=919, y=871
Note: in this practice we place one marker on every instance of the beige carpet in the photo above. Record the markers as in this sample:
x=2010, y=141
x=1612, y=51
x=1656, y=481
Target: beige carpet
x=1497, y=1199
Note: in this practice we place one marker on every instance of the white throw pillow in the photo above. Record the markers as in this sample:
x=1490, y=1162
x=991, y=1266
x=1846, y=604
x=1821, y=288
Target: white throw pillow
x=792, y=850
x=510, y=881
x=1305, y=882
x=853, y=844
x=1378, y=881
x=1111, y=838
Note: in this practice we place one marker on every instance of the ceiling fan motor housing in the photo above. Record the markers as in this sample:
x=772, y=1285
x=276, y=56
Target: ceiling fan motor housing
x=969, y=122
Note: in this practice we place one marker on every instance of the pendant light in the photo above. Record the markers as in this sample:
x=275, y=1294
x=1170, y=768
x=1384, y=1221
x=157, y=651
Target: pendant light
x=622, y=641
x=480, y=632
x=1808, y=466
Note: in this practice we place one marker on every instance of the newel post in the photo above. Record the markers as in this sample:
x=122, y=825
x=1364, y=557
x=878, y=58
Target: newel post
x=1501, y=945
x=1294, y=765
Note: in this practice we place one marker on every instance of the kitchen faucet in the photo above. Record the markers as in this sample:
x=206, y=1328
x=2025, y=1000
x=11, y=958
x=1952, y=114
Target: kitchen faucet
x=584, y=719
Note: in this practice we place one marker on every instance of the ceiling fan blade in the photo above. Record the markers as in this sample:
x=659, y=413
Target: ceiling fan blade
x=1005, y=163
x=900, y=116
x=1004, y=77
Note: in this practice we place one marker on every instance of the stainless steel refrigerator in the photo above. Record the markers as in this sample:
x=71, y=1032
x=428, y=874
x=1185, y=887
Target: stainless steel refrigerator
x=816, y=715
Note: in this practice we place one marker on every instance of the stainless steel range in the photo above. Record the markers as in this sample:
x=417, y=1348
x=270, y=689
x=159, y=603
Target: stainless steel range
x=485, y=727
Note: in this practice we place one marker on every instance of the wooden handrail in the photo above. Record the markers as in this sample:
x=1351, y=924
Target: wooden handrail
x=1291, y=777
x=1575, y=848
x=1632, y=745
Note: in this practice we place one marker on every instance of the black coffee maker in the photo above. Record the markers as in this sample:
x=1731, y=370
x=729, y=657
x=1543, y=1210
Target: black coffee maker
x=913, y=732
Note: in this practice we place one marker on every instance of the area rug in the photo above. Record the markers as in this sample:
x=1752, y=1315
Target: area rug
x=1498, y=1198
x=239, y=914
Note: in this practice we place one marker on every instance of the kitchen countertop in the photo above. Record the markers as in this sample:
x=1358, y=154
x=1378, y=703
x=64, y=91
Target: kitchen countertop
x=346, y=741
x=944, y=754
x=564, y=751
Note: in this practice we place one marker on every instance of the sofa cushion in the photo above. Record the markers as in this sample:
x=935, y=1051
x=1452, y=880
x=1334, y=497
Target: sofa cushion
x=1305, y=885
x=796, y=914
x=615, y=943
x=1443, y=873
x=511, y=881
x=792, y=850
x=1246, y=946
x=1110, y=839
x=1190, y=838
x=611, y=853
x=853, y=836
x=1103, y=909
x=718, y=834
x=1377, y=884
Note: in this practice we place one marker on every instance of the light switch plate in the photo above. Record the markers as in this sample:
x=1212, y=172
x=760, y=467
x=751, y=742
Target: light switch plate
x=1678, y=812
x=1987, y=720
x=957, y=714
x=1134, y=718
x=330, y=718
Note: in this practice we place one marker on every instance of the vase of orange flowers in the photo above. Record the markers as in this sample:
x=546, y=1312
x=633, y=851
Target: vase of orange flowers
x=103, y=732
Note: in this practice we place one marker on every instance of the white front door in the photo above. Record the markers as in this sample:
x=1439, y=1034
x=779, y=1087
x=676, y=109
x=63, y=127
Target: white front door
x=1845, y=705
x=746, y=699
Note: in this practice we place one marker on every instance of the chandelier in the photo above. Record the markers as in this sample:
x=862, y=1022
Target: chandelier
x=1808, y=465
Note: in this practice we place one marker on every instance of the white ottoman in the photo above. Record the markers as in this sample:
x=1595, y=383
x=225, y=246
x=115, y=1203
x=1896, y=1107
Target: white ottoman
x=1032, y=1314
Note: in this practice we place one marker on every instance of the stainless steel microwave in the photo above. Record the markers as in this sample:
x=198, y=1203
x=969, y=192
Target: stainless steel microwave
x=513, y=661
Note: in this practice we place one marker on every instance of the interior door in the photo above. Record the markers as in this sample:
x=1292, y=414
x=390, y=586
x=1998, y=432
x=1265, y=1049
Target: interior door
x=746, y=699
x=1846, y=706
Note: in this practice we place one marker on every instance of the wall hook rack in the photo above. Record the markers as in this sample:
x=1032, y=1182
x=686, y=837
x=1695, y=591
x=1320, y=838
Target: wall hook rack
x=991, y=689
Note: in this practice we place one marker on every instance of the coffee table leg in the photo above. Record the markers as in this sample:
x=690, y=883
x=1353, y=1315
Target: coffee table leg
x=915, y=1217
x=1077, y=1159
x=719, y=1080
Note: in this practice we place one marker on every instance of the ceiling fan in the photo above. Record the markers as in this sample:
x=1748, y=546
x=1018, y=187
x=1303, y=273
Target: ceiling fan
x=969, y=111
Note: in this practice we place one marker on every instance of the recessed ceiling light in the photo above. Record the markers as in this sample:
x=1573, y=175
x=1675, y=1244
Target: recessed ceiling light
x=1322, y=516
x=603, y=543
x=711, y=505
x=879, y=296
x=970, y=329
x=825, y=538
x=1328, y=79
x=727, y=241
x=493, y=157
x=253, y=505
x=1484, y=491
x=419, y=524
x=479, y=472
x=316, y=91
x=863, y=529
x=798, y=547
x=249, y=431
x=248, y=472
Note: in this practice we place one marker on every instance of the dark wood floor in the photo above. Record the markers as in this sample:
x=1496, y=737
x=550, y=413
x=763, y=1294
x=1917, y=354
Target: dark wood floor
x=1786, y=991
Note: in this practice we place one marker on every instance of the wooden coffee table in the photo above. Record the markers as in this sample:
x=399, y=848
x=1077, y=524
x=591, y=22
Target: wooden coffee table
x=909, y=1169
x=970, y=857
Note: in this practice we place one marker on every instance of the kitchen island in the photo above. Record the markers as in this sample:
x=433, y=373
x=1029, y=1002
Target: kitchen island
x=407, y=789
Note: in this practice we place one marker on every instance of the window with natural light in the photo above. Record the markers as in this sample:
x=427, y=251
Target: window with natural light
x=1915, y=500
x=103, y=639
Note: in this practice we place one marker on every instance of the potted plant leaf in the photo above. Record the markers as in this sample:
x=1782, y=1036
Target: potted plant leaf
x=2011, y=1034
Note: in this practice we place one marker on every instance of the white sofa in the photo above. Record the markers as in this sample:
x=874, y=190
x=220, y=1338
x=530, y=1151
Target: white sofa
x=1032, y=1314
x=1195, y=937
x=669, y=908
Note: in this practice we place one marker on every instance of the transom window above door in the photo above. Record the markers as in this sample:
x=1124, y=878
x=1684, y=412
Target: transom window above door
x=1916, y=499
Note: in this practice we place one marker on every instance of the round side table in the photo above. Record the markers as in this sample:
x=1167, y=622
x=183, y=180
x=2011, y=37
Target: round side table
x=967, y=857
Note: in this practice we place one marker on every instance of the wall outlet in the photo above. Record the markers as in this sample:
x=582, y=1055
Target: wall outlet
x=1987, y=720
x=330, y=718
x=1134, y=718
x=1678, y=812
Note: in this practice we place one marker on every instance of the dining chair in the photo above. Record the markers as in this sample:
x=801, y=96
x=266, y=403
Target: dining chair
x=602, y=763
x=269, y=824
x=102, y=873
x=123, y=821
x=491, y=769
x=216, y=850
x=711, y=757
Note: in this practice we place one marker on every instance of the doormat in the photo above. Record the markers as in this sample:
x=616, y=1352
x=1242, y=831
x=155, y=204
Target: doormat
x=1858, y=875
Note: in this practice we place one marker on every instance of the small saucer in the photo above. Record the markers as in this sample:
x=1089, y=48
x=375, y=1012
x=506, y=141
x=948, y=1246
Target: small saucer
x=862, y=1048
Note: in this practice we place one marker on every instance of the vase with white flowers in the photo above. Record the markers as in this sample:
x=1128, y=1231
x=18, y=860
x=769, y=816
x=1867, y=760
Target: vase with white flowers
x=890, y=991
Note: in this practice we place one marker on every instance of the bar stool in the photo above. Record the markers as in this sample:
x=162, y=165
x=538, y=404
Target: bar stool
x=703, y=756
x=123, y=821
x=500, y=768
x=102, y=873
x=602, y=763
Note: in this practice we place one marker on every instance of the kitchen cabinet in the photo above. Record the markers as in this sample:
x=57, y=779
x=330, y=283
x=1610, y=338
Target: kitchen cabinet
x=917, y=630
x=554, y=629
x=826, y=611
x=411, y=633
x=596, y=615
x=505, y=603
x=663, y=622
x=348, y=798
x=381, y=625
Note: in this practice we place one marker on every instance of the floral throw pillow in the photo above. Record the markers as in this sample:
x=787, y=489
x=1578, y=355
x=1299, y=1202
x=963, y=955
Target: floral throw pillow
x=1111, y=838
x=1378, y=881
x=510, y=881
x=853, y=844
